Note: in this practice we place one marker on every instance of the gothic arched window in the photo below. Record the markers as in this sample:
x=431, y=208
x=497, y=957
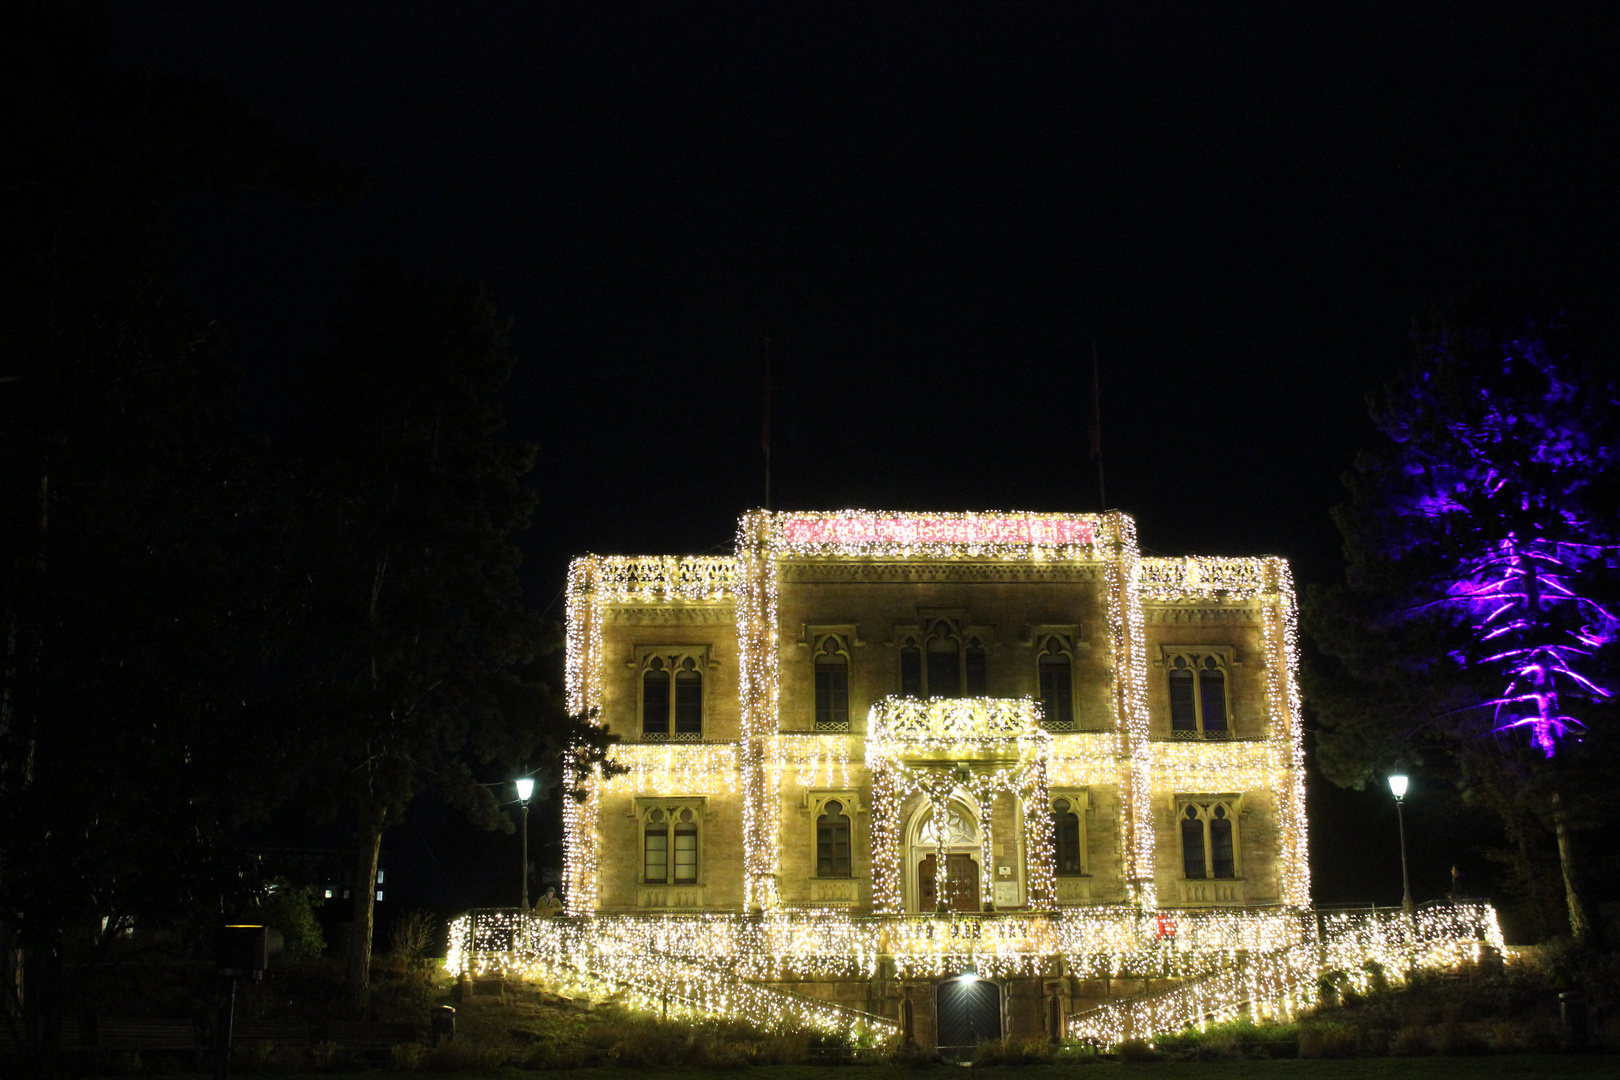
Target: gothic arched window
x=655, y=698
x=944, y=663
x=832, y=842
x=686, y=847
x=688, y=699
x=655, y=849
x=832, y=687
x=1066, y=836
x=1198, y=697
x=910, y=669
x=1209, y=837
x=1057, y=686
x=973, y=663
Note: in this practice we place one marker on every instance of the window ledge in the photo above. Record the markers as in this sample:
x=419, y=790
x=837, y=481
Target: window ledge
x=669, y=896
x=1200, y=892
x=836, y=892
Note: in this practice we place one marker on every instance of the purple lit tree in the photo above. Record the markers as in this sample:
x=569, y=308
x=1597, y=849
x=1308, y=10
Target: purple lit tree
x=1482, y=540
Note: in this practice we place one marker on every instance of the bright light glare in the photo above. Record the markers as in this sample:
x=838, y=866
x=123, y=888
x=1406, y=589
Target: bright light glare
x=1397, y=786
x=525, y=788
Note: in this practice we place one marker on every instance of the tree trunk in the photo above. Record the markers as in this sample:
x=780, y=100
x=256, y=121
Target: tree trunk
x=365, y=903
x=1580, y=923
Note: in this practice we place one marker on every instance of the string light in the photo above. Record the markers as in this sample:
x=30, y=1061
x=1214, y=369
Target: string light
x=976, y=750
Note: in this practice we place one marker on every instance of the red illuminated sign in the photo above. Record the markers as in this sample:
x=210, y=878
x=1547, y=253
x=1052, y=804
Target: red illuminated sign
x=907, y=529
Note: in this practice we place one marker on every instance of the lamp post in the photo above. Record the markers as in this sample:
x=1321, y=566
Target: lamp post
x=525, y=789
x=1397, y=787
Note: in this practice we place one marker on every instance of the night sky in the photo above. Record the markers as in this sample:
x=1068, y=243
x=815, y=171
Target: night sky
x=933, y=211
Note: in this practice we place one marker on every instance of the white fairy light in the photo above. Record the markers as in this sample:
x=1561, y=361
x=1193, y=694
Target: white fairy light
x=977, y=750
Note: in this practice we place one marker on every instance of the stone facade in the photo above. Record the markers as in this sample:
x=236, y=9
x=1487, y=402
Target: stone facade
x=743, y=691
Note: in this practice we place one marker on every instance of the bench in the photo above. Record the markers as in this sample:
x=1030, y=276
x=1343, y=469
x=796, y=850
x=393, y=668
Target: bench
x=146, y=1033
x=287, y=1033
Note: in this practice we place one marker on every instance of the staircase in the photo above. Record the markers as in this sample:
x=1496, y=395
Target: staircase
x=1358, y=946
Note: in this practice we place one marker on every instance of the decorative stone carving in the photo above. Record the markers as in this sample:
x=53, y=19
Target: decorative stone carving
x=706, y=615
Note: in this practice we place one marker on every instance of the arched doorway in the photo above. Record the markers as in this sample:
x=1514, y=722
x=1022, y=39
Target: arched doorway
x=969, y=1013
x=942, y=859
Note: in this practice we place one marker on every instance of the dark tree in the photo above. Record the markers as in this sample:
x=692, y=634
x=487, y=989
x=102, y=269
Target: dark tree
x=128, y=620
x=1477, y=621
x=417, y=641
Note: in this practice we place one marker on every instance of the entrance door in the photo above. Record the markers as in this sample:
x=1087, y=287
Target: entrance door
x=963, y=871
x=962, y=876
x=969, y=1013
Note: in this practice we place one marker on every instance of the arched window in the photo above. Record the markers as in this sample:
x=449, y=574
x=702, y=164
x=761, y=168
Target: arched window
x=1209, y=837
x=1192, y=843
x=974, y=667
x=686, y=847
x=655, y=849
x=1198, y=701
x=1066, y=836
x=910, y=669
x=1183, y=700
x=688, y=700
x=672, y=694
x=832, y=688
x=670, y=837
x=944, y=663
x=1212, y=699
x=832, y=842
x=655, y=698
x=1057, y=686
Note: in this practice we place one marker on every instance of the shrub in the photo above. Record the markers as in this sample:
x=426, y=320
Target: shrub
x=1411, y=1040
x=461, y=1057
x=1138, y=1050
x=1328, y=1040
x=1012, y=1051
x=407, y=1057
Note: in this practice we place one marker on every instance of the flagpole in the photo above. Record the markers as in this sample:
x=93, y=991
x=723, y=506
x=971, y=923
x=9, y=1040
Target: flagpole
x=1096, y=429
x=765, y=436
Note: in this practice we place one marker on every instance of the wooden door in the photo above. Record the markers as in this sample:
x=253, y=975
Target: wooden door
x=927, y=885
x=963, y=874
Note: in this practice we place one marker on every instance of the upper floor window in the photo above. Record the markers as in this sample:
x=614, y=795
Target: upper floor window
x=669, y=846
x=832, y=841
x=1198, y=701
x=944, y=663
x=832, y=687
x=1209, y=837
x=672, y=698
x=1057, y=685
x=1068, y=835
x=973, y=667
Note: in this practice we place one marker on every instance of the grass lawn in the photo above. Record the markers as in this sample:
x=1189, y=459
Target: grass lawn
x=1503, y=1067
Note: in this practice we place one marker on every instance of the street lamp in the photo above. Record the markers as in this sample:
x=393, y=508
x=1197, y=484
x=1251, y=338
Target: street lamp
x=525, y=789
x=1397, y=788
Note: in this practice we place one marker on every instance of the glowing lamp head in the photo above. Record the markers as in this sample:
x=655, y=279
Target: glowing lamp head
x=525, y=789
x=1397, y=785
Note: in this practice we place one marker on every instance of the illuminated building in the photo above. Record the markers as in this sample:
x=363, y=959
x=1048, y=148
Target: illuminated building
x=878, y=760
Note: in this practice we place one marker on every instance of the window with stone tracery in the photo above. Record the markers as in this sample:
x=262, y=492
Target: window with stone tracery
x=1209, y=836
x=1056, y=669
x=1068, y=835
x=943, y=662
x=832, y=685
x=671, y=690
x=832, y=841
x=1199, y=702
x=669, y=844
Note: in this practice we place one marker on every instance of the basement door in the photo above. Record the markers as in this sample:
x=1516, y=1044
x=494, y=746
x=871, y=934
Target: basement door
x=969, y=1012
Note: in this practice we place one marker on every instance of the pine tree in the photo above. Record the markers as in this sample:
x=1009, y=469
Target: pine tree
x=1482, y=539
